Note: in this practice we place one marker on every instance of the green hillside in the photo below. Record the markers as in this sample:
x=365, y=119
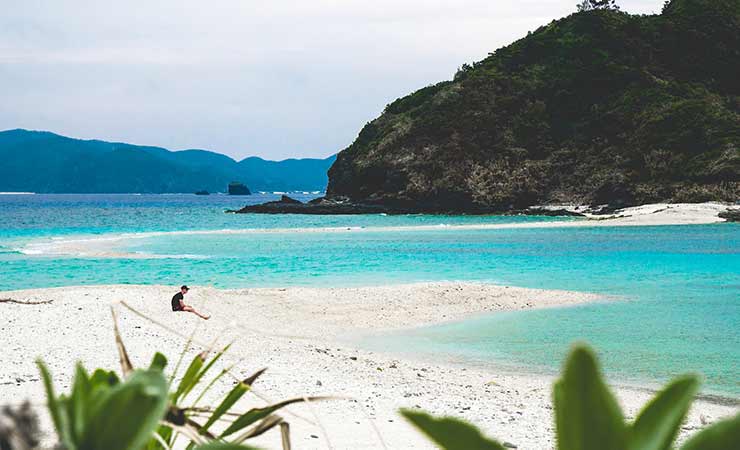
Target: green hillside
x=598, y=107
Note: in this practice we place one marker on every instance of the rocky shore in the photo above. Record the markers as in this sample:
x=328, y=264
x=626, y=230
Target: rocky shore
x=343, y=205
x=653, y=214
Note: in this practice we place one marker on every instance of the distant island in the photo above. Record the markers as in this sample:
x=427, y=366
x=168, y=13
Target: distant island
x=236, y=188
x=44, y=162
x=600, y=107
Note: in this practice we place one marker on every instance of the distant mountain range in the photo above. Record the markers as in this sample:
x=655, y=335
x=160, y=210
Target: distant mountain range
x=44, y=162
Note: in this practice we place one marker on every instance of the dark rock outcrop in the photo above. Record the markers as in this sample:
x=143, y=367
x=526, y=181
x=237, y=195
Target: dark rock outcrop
x=333, y=206
x=287, y=205
x=730, y=215
x=236, y=188
x=554, y=212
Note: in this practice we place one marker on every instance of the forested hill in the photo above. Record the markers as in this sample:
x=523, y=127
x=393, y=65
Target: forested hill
x=39, y=161
x=598, y=107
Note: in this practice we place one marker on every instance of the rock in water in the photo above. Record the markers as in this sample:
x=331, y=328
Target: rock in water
x=236, y=188
x=284, y=199
x=287, y=205
x=730, y=215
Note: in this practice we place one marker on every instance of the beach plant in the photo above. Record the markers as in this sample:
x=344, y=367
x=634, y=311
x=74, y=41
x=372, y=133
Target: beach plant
x=145, y=409
x=588, y=417
x=102, y=411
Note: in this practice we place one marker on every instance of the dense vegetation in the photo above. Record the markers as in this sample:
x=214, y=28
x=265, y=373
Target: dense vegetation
x=598, y=107
x=46, y=162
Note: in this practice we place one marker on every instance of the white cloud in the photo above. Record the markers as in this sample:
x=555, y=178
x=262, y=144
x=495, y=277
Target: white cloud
x=278, y=79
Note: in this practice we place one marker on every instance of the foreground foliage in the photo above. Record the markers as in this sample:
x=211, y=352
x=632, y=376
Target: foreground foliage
x=588, y=417
x=147, y=410
x=144, y=409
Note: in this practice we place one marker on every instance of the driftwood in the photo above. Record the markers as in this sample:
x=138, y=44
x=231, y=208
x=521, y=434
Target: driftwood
x=23, y=302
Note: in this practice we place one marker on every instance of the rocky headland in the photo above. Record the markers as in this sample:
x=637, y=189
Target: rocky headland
x=598, y=108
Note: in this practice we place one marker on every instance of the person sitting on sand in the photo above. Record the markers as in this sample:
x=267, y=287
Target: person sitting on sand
x=178, y=304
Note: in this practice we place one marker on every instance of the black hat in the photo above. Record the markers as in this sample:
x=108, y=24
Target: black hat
x=184, y=287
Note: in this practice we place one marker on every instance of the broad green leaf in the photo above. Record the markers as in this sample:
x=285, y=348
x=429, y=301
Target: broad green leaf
x=79, y=403
x=450, y=433
x=255, y=414
x=657, y=425
x=723, y=435
x=159, y=362
x=101, y=382
x=231, y=398
x=587, y=416
x=56, y=410
x=128, y=413
x=103, y=378
x=186, y=384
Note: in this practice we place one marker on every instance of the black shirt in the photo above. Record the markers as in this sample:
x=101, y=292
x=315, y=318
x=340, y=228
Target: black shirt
x=176, y=301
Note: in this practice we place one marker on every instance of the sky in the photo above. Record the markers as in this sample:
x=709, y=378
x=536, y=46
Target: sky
x=275, y=79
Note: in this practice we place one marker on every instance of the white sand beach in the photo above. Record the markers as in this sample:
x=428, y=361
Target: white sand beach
x=665, y=214
x=301, y=336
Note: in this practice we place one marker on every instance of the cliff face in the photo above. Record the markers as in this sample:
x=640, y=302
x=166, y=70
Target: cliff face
x=598, y=107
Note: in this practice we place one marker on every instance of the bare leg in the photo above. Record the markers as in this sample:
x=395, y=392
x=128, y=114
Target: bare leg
x=192, y=310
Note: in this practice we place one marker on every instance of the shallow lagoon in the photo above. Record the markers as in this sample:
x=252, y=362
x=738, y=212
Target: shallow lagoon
x=674, y=290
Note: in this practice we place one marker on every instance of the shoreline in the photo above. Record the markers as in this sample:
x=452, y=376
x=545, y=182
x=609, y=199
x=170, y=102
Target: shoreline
x=344, y=206
x=107, y=245
x=299, y=334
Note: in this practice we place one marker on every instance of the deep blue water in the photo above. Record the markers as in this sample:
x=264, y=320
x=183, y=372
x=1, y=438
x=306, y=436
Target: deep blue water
x=677, y=287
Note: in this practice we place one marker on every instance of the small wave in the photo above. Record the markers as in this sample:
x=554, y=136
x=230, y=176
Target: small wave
x=28, y=251
x=147, y=255
x=96, y=250
x=107, y=245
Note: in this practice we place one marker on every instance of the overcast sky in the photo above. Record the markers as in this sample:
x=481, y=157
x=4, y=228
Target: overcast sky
x=275, y=79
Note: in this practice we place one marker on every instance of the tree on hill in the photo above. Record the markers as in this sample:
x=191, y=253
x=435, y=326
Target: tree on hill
x=588, y=5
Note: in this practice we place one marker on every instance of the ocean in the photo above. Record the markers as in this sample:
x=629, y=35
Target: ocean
x=673, y=291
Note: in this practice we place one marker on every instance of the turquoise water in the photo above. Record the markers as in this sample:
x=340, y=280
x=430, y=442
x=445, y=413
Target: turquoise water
x=678, y=287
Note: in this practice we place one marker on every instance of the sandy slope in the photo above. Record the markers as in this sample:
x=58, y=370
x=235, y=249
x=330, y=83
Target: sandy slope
x=300, y=334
